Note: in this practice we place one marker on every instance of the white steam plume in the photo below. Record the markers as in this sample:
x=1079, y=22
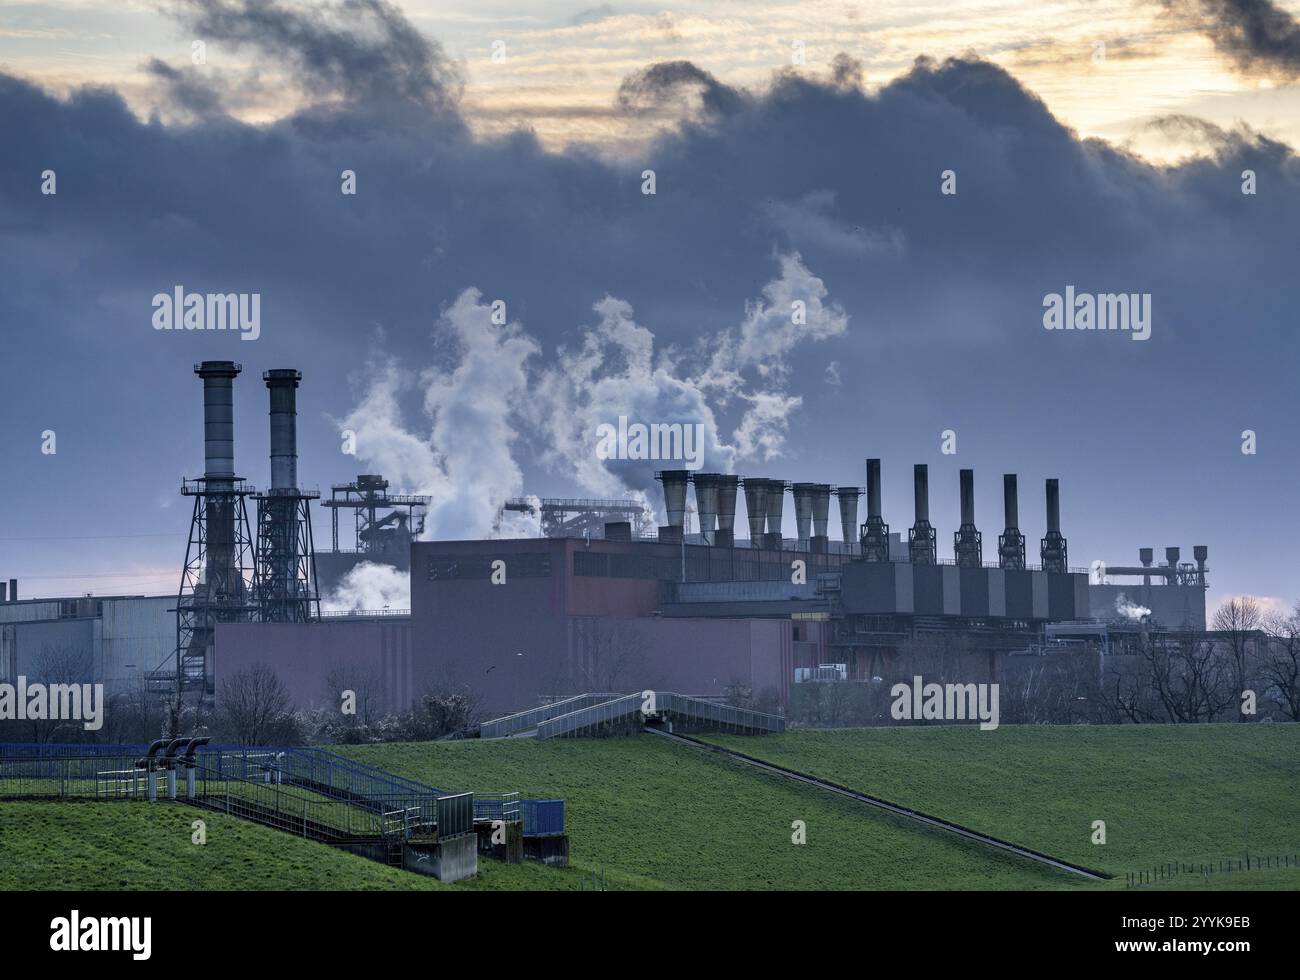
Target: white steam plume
x=370, y=586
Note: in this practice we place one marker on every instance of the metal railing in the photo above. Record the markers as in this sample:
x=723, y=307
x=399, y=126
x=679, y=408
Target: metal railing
x=522, y=721
x=631, y=710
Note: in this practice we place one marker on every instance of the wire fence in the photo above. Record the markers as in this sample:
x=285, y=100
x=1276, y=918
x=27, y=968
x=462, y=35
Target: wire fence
x=1205, y=870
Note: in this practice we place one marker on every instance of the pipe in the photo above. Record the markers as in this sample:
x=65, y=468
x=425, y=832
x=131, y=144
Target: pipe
x=1010, y=501
x=1053, y=550
x=13, y=590
x=282, y=383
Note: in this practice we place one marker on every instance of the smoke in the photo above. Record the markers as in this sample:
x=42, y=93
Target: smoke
x=1130, y=610
x=370, y=586
x=1258, y=35
x=466, y=460
x=479, y=405
x=666, y=82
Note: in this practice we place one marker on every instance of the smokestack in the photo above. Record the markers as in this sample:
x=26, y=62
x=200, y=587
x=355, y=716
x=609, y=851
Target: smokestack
x=875, y=533
x=756, y=509
x=1053, y=547
x=1146, y=556
x=706, y=504
x=821, y=507
x=921, y=543
x=803, y=493
x=282, y=383
x=1171, y=557
x=1053, y=507
x=775, y=511
x=1200, y=552
x=726, y=500
x=674, y=483
x=218, y=421
x=1011, y=544
x=967, y=544
x=848, y=515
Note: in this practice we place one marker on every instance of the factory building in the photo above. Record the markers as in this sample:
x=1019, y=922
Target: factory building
x=619, y=607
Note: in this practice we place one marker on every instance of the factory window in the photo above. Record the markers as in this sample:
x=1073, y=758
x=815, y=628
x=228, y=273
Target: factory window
x=443, y=567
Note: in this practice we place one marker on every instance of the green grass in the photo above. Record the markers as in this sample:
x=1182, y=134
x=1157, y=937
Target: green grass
x=59, y=845
x=651, y=814
x=656, y=815
x=1167, y=793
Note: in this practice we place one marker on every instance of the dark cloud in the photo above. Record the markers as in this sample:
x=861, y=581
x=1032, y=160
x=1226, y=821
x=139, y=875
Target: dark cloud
x=943, y=293
x=357, y=50
x=1259, y=36
x=662, y=83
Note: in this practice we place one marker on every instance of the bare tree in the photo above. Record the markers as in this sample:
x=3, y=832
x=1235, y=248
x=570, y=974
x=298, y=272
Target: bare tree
x=1280, y=667
x=610, y=655
x=1239, y=620
x=254, y=707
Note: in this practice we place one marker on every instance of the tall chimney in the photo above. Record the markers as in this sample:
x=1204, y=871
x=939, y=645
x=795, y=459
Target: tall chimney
x=756, y=509
x=1200, y=552
x=282, y=383
x=726, y=499
x=219, y=472
x=921, y=539
x=706, y=504
x=849, y=516
x=1011, y=543
x=1053, y=547
x=1146, y=556
x=775, y=511
x=875, y=533
x=803, y=513
x=821, y=507
x=967, y=544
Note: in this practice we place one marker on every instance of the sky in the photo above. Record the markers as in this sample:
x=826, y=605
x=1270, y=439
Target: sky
x=799, y=155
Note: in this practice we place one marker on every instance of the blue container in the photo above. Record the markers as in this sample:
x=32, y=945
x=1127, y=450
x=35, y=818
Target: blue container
x=542, y=817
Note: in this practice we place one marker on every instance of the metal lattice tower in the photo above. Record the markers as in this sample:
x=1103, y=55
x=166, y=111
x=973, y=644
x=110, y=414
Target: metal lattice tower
x=285, y=578
x=215, y=584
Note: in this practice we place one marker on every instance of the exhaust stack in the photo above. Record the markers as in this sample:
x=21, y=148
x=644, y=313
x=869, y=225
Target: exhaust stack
x=1146, y=556
x=706, y=504
x=821, y=507
x=726, y=501
x=803, y=508
x=285, y=569
x=1011, y=543
x=1053, y=547
x=967, y=543
x=756, y=509
x=1200, y=552
x=775, y=512
x=875, y=533
x=921, y=539
x=674, y=484
x=848, y=498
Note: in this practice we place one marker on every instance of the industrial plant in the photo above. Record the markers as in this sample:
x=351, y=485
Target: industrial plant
x=599, y=600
